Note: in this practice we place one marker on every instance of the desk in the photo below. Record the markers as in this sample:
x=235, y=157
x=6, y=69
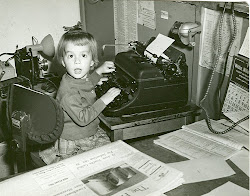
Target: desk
x=128, y=127
x=147, y=146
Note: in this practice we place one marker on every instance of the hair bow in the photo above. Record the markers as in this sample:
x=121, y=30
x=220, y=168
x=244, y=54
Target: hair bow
x=78, y=26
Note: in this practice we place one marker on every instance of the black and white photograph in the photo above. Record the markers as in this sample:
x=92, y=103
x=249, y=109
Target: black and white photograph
x=161, y=86
x=113, y=180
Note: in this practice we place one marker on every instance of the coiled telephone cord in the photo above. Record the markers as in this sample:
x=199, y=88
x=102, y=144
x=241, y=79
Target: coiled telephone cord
x=208, y=121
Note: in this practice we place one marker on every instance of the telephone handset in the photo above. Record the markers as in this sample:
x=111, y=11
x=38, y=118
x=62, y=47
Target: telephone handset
x=205, y=98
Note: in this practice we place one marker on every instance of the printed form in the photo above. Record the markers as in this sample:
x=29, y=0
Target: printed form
x=209, y=40
x=195, y=141
x=125, y=23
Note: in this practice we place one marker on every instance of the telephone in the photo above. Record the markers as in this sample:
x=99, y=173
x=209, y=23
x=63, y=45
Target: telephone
x=146, y=86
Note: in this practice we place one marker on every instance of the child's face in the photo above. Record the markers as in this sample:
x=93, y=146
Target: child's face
x=77, y=60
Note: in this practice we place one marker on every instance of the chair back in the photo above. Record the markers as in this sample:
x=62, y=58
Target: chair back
x=45, y=115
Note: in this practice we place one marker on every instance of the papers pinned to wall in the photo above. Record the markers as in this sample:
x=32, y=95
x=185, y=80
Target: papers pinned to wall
x=147, y=14
x=209, y=40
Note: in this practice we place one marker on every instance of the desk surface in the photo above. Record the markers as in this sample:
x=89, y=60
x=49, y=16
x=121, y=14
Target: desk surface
x=147, y=146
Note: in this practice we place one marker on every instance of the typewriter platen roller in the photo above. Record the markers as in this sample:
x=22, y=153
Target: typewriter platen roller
x=146, y=86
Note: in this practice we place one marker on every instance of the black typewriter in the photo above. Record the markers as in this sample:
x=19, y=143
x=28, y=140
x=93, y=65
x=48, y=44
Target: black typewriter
x=146, y=86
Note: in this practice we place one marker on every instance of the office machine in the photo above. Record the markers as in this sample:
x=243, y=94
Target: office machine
x=7, y=71
x=145, y=85
x=27, y=61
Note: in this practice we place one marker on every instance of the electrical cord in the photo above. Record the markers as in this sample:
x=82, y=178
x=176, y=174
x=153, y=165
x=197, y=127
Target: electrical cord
x=208, y=121
x=6, y=63
x=7, y=54
x=230, y=45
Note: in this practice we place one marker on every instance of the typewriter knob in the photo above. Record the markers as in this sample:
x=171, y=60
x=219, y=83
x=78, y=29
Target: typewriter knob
x=171, y=69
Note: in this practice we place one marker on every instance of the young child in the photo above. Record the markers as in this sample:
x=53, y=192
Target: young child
x=77, y=52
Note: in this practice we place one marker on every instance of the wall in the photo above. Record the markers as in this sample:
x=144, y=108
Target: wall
x=22, y=19
x=99, y=18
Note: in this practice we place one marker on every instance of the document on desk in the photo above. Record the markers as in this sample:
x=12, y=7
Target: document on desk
x=237, y=128
x=232, y=138
x=236, y=116
x=228, y=189
x=199, y=170
x=195, y=141
x=238, y=133
x=114, y=169
x=241, y=160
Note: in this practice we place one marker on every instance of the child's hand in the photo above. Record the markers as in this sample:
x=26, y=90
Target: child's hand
x=106, y=67
x=104, y=79
x=110, y=95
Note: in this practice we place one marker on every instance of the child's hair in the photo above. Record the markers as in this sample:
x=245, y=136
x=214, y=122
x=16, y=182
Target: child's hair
x=79, y=38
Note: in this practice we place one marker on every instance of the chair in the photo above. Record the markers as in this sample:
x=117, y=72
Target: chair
x=36, y=123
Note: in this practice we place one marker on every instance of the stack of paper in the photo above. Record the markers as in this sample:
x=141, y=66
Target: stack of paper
x=195, y=141
x=114, y=169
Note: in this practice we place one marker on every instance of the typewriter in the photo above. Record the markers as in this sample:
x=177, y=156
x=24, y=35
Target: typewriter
x=146, y=86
